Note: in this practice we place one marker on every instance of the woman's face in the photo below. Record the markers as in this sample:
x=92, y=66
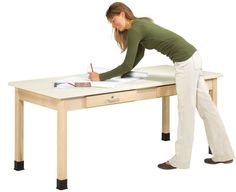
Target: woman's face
x=118, y=21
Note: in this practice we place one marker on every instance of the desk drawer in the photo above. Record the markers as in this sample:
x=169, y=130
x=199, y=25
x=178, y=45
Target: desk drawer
x=110, y=98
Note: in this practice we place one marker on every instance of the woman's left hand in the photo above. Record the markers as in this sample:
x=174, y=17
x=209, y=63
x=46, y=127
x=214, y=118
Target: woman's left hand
x=93, y=76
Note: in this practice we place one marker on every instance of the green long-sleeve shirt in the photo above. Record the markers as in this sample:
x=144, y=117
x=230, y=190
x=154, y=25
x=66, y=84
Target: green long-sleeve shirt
x=146, y=34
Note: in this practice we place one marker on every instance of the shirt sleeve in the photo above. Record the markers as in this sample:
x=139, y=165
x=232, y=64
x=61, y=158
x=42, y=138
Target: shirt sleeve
x=135, y=52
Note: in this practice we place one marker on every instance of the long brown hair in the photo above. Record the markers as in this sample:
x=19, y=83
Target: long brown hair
x=115, y=9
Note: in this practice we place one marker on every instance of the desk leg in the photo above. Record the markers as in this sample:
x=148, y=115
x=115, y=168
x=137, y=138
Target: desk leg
x=61, y=146
x=166, y=118
x=19, y=133
x=213, y=94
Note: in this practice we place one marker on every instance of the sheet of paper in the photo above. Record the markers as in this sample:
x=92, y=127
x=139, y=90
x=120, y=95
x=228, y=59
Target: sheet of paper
x=84, y=78
x=107, y=83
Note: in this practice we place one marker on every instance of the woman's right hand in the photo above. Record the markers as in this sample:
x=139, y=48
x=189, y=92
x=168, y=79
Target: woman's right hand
x=93, y=76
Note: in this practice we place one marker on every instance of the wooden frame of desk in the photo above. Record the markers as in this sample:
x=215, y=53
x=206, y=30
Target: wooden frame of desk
x=64, y=105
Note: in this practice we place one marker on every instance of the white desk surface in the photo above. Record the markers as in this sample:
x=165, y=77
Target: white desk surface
x=158, y=76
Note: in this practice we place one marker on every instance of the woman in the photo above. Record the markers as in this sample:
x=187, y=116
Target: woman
x=136, y=35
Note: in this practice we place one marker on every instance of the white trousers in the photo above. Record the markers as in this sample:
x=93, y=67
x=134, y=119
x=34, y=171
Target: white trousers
x=193, y=92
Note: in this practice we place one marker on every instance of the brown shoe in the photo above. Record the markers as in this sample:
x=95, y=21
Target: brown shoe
x=166, y=166
x=210, y=161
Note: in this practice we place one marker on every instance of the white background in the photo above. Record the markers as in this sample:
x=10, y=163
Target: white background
x=113, y=148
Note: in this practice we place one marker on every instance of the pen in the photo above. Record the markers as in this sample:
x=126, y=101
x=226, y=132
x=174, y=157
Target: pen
x=91, y=65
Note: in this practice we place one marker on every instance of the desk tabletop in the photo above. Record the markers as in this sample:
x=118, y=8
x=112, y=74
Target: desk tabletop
x=157, y=76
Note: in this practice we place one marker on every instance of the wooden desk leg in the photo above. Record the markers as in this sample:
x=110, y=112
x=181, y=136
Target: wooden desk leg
x=61, y=146
x=166, y=118
x=213, y=94
x=19, y=133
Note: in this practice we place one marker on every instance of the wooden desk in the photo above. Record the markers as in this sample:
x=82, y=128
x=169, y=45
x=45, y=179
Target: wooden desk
x=160, y=83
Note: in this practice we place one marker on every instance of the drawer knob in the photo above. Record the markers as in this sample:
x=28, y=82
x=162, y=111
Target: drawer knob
x=113, y=99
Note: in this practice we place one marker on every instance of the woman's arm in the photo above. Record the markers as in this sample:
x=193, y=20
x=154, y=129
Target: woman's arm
x=135, y=52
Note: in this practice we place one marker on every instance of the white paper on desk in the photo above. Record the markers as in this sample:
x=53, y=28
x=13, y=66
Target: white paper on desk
x=116, y=81
x=84, y=78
